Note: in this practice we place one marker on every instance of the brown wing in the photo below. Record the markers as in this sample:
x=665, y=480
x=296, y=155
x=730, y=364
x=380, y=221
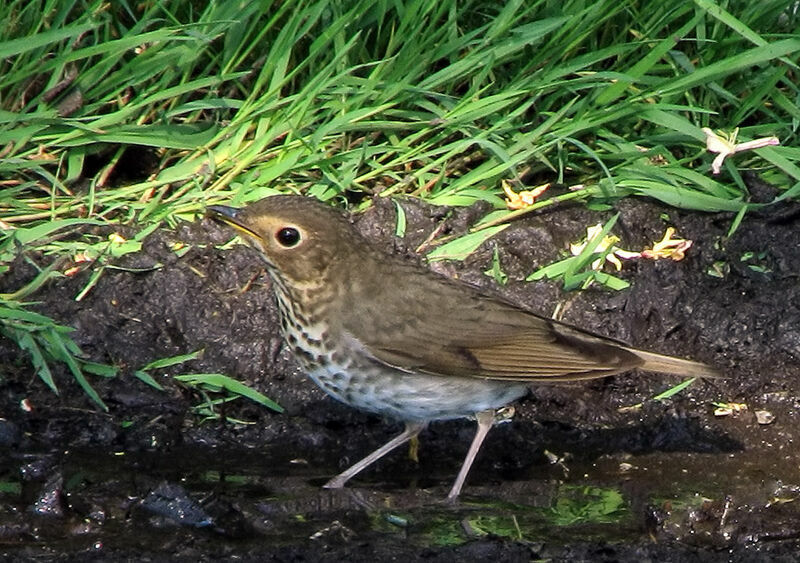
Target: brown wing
x=552, y=353
x=451, y=329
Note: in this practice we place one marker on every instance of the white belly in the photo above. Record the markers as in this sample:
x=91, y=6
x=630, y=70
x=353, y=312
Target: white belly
x=412, y=397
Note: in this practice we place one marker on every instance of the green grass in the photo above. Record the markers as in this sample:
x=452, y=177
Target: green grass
x=344, y=100
x=207, y=384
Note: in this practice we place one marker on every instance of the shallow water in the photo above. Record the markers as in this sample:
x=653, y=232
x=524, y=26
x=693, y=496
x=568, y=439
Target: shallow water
x=220, y=502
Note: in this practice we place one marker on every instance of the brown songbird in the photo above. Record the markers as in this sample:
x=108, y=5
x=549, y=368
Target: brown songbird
x=390, y=337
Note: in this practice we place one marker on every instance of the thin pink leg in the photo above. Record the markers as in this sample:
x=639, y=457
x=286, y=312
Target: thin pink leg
x=411, y=430
x=485, y=422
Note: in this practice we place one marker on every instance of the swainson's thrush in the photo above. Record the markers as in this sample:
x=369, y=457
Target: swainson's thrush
x=389, y=337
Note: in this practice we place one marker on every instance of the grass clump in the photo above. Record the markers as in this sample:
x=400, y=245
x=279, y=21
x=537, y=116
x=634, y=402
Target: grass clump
x=145, y=113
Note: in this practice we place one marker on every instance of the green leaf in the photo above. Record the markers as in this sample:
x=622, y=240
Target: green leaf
x=462, y=247
x=93, y=279
x=400, y=227
x=673, y=390
x=118, y=249
x=147, y=378
x=26, y=316
x=26, y=342
x=172, y=361
x=103, y=370
x=587, y=255
x=730, y=65
x=166, y=136
x=496, y=272
x=59, y=349
x=610, y=281
x=553, y=270
x=15, y=47
x=28, y=235
x=577, y=504
x=682, y=197
x=37, y=282
x=221, y=381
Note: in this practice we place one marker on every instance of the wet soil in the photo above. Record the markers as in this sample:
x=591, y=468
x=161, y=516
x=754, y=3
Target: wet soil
x=596, y=471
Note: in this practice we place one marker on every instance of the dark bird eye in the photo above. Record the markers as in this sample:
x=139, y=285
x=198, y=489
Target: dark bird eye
x=288, y=237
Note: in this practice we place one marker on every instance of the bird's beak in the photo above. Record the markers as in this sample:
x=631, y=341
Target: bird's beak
x=230, y=216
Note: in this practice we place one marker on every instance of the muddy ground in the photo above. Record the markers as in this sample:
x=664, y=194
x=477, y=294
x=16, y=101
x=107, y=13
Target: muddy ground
x=580, y=474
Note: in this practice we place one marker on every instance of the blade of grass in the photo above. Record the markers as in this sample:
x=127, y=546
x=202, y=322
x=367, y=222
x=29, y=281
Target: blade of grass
x=224, y=382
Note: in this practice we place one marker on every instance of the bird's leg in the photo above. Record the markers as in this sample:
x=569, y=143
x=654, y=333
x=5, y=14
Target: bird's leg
x=485, y=421
x=411, y=430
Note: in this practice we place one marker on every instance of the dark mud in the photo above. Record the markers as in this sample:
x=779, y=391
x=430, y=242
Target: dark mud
x=581, y=473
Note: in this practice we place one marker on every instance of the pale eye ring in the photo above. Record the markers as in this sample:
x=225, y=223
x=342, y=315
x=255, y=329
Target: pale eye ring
x=288, y=237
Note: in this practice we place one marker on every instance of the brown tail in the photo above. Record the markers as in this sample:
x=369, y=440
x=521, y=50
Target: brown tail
x=676, y=366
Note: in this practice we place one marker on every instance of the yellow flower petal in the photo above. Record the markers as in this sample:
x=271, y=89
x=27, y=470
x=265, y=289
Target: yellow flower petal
x=524, y=198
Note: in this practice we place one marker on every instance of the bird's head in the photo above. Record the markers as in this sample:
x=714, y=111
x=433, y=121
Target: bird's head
x=299, y=237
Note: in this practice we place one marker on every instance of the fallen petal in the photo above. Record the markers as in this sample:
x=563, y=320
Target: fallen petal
x=765, y=417
x=716, y=143
x=757, y=144
x=716, y=166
